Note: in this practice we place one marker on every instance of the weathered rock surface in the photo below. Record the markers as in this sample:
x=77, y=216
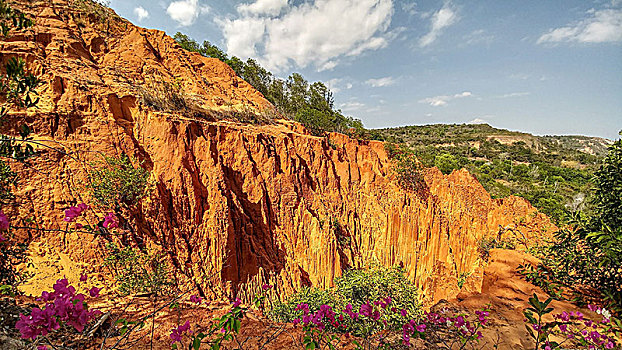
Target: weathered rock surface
x=233, y=205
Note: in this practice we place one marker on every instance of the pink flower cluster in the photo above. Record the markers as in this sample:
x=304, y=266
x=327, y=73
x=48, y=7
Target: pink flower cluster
x=367, y=312
x=195, y=299
x=111, y=221
x=177, y=333
x=4, y=225
x=73, y=213
x=575, y=325
x=467, y=329
x=411, y=328
x=319, y=318
x=63, y=305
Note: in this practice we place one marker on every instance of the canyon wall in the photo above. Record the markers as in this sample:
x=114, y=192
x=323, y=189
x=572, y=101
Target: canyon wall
x=233, y=205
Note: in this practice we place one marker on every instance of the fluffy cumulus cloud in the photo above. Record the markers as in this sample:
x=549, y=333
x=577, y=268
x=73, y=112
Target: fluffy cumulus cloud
x=141, y=13
x=185, y=12
x=440, y=20
x=315, y=32
x=443, y=100
x=263, y=7
x=380, y=82
x=599, y=27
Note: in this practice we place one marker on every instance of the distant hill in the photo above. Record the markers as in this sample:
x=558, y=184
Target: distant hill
x=460, y=133
x=553, y=172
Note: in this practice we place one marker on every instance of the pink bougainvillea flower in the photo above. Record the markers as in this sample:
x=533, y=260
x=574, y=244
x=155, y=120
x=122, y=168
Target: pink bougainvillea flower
x=237, y=302
x=110, y=221
x=196, y=299
x=73, y=212
x=94, y=292
x=63, y=306
x=4, y=222
x=421, y=328
x=42, y=347
x=177, y=333
x=266, y=286
x=2, y=239
x=366, y=310
x=83, y=277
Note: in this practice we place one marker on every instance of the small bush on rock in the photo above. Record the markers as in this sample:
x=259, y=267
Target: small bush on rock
x=137, y=271
x=116, y=181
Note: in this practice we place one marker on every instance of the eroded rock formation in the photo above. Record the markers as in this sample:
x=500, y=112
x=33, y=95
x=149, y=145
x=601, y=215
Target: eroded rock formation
x=233, y=205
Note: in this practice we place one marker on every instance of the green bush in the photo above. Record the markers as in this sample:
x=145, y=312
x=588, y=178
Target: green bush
x=357, y=287
x=137, y=271
x=446, y=163
x=116, y=181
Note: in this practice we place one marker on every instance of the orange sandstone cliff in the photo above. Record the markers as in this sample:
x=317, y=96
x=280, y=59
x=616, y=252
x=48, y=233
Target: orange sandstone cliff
x=234, y=205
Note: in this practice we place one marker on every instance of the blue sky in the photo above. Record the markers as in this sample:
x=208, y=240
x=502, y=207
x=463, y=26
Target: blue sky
x=545, y=67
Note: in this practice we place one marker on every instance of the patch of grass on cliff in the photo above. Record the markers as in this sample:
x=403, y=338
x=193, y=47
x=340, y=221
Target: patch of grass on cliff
x=356, y=287
x=116, y=181
x=163, y=96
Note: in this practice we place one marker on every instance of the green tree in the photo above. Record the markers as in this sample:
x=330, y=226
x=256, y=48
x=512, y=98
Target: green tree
x=446, y=163
x=257, y=76
x=608, y=194
x=297, y=88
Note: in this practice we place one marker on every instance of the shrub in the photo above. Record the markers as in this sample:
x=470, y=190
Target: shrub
x=116, y=181
x=446, y=163
x=138, y=272
x=356, y=287
x=410, y=174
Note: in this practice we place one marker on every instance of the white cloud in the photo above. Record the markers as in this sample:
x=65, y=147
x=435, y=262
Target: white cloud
x=318, y=33
x=442, y=100
x=442, y=19
x=380, y=82
x=410, y=8
x=335, y=85
x=514, y=94
x=263, y=7
x=185, y=12
x=351, y=106
x=479, y=36
x=478, y=121
x=141, y=13
x=601, y=26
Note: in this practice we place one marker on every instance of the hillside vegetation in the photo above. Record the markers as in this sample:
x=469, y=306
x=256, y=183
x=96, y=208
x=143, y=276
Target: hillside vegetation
x=311, y=104
x=553, y=172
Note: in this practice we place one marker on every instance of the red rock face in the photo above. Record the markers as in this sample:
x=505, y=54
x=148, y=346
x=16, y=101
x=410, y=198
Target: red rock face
x=235, y=205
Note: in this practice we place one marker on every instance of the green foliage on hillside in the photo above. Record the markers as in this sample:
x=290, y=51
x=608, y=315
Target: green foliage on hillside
x=116, y=181
x=553, y=176
x=356, y=287
x=589, y=252
x=295, y=98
